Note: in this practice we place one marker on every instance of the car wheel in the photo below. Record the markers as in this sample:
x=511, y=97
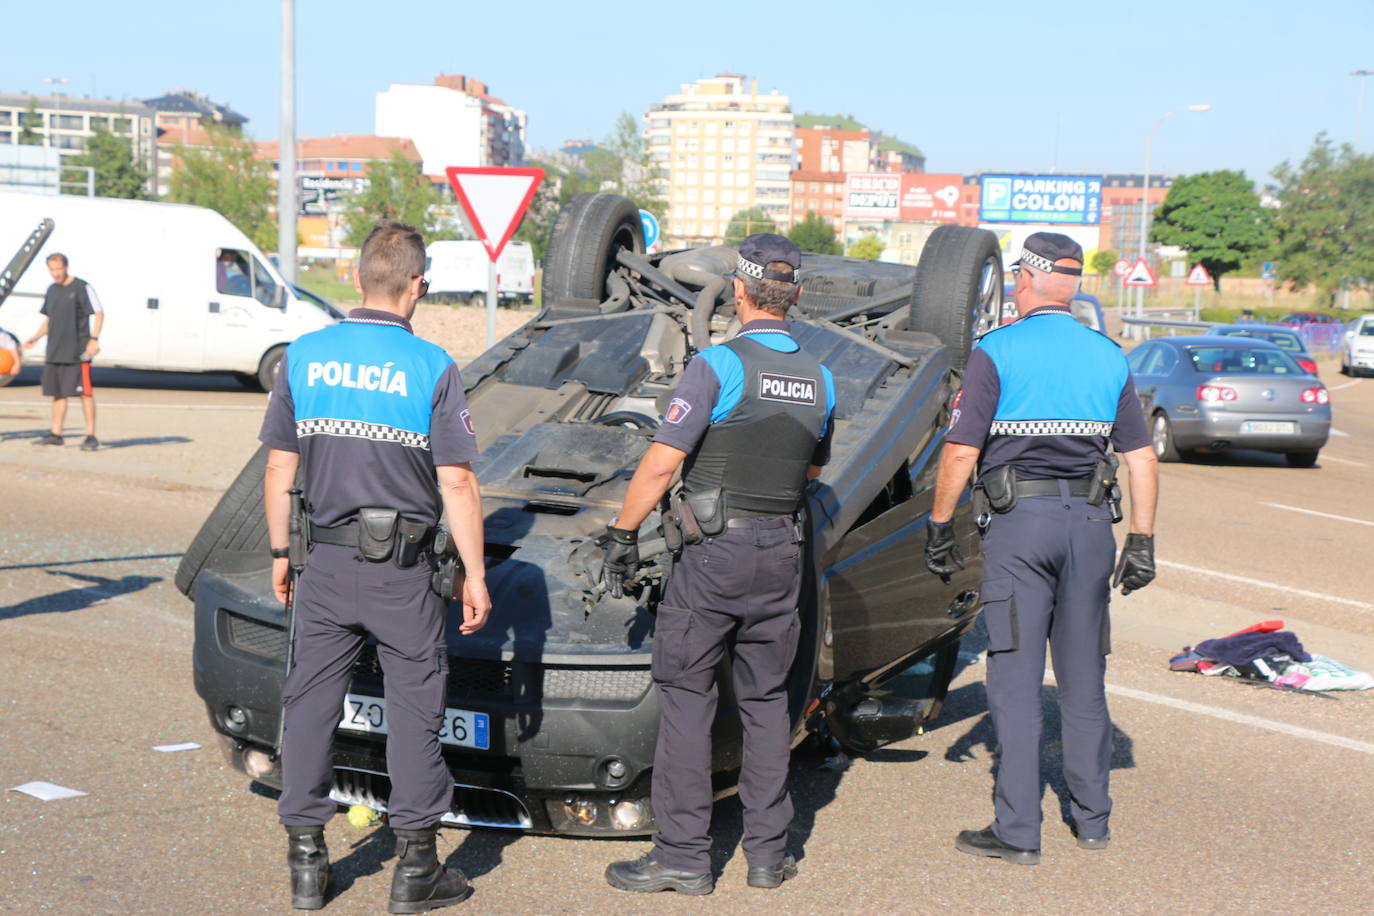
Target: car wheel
x=478, y=300
x=957, y=292
x=269, y=367
x=236, y=523
x=1301, y=459
x=589, y=231
x=1162, y=438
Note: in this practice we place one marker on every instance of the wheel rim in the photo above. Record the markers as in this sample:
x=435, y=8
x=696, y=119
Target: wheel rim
x=1159, y=435
x=988, y=309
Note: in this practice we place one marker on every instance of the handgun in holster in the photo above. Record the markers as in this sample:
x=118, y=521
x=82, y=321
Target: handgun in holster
x=1104, y=486
x=447, y=579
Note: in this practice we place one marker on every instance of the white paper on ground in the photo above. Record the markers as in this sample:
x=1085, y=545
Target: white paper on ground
x=173, y=748
x=47, y=791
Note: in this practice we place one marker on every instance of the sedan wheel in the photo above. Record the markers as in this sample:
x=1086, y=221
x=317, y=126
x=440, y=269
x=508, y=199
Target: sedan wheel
x=1162, y=438
x=1301, y=459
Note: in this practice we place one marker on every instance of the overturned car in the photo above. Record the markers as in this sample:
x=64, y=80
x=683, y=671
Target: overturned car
x=552, y=717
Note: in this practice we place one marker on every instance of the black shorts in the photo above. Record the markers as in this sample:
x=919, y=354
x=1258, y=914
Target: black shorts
x=67, y=380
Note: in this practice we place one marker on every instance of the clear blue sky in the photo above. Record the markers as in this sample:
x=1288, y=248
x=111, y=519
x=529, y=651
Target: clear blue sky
x=986, y=86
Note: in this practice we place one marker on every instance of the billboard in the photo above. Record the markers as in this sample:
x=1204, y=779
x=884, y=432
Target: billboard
x=1041, y=199
x=872, y=195
x=930, y=198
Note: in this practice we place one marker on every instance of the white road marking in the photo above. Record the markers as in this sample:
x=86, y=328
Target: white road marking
x=106, y=406
x=1245, y=580
x=1339, y=518
x=1240, y=718
x=1339, y=434
x=1346, y=385
x=1358, y=464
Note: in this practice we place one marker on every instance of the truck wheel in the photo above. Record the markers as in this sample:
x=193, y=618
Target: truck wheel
x=267, y=369
x=236, y=523
x=582, y=247
x=957, y=292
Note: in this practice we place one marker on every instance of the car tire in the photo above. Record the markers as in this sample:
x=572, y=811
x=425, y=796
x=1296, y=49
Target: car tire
x=957, y=292
x=268, y=368
x=478, y=300
x=1301, y=459
x=236, y=523
x=1162, y=438
x=589, y=230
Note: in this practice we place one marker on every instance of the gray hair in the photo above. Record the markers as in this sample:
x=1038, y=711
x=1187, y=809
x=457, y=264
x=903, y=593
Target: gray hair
x=772, y=296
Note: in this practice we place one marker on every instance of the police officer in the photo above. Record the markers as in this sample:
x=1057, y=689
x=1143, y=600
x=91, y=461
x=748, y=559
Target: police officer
x=751, y=420
x=373, y=415
x=1042, y=400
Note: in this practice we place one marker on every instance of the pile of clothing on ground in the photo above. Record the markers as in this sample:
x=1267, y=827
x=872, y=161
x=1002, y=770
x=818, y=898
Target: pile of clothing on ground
x=1268, y=652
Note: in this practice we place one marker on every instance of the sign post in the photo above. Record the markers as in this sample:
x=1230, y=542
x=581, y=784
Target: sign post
x=494, y=200
x=1198, y=277
x=1140, y=276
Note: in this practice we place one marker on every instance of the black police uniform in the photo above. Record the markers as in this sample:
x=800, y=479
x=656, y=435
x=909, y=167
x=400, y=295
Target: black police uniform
x=372, y=410
x=1047, y=396
x=752, y=414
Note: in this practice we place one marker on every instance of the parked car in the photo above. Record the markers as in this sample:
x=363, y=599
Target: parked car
x=552, y=718
x=1211, y=394
x=1288, y=341
x=1357, y=346
x=1298, y=319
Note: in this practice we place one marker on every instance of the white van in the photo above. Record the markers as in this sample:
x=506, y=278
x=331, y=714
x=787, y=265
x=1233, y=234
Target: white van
x=182, y=288
x=457, y=271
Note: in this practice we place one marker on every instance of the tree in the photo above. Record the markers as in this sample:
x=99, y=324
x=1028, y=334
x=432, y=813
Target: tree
x=1326, y=219
x=229, y=177
x=1216, y=217
x=870, y=248
x=116, y=172
x=635, y=174
x=537, y=224
x=1102, y=261
x=27, y=122
x=815, y=234
x=397, y=191
x=747, y=222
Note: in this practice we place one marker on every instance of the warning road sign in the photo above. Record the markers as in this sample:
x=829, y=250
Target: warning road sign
x=1198, y=276
x=494, y=200
x=1141, y=275
x=1121, y=267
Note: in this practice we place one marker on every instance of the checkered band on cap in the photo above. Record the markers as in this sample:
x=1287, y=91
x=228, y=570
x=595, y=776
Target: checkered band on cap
x=759, y=272
x=749, y=267
x=357, y=429
x=1031, y=259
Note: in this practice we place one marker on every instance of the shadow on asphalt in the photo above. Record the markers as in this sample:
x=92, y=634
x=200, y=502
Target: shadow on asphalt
x=75, y=599
x=144, y=556
x=104, y=377
x=143, y=440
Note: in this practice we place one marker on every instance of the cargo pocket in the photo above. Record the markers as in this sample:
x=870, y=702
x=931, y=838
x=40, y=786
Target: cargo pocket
x=999, y=615
x=671, y=628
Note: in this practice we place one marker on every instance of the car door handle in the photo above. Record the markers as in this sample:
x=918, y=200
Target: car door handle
x=214, y=307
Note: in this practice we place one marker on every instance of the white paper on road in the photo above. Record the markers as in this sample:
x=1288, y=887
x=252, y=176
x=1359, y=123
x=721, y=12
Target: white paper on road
x=173, y=748
x=47, y=791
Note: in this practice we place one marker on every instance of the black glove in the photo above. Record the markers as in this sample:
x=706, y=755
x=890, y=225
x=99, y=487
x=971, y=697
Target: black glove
x=942, y=550
x=1136, y=568
x=622, y=558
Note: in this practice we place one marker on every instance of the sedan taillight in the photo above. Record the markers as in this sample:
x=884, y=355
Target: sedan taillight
x=1315, y=396
x=1308, y=366
x=1214, y=393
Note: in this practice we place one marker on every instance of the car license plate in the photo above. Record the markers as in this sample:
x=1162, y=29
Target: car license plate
x=461, y=728
x=1269, y=426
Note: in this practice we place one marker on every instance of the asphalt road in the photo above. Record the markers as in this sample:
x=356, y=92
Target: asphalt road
x=1227, y=795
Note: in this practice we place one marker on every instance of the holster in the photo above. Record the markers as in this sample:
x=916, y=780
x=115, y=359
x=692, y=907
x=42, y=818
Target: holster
x=671, y=527
x=446, y=580
x=377, y=532
x=999, y=487
x=707, y=511
x=1104, y=486
x=298, y=532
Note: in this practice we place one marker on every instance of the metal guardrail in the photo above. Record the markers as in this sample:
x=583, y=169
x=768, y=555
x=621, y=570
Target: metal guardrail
x=1314, y=336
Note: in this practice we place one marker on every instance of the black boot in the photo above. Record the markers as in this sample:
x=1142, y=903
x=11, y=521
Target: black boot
x=420, y=882
x=309, y=860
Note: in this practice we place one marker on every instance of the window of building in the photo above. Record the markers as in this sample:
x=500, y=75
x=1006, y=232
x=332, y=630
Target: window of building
x=27, y=119
x=123, y=125
x=356, y=167
x=828, y=204
x=727, y=197
x=815, y=186
x=6, y=118
x=67, y=122
x=709, y=146
x=708, y=212
x=709, y=195
x=5, y=136
x=708, y=162
x=99, y=122
x=67, y=141
x=741, y=179
x=692, y=194
x=711, y=128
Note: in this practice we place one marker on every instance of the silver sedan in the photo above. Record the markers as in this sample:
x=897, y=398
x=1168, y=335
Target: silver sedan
x=1211, y=394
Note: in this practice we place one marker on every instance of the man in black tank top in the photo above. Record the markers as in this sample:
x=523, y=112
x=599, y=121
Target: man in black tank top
x=749, y=424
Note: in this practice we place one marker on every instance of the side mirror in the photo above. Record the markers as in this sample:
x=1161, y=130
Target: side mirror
x=280, y=299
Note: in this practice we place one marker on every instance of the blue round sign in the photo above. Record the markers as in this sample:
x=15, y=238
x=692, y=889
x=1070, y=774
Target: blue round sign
x=650, y=228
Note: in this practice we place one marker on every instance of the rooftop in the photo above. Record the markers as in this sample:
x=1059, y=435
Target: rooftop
x=191, y=102
x=75, y=103
x=892, y=144
x=837, y=122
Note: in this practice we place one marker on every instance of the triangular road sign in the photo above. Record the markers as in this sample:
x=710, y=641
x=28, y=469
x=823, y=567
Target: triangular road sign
x=494, y=200
x=1140, y=275
x=1198, y=276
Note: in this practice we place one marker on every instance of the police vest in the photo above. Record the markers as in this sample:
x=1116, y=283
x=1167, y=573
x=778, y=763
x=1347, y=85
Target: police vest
x=760, y=453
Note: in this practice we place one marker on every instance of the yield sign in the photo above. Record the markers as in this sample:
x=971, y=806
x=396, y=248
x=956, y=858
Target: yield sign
x=1198, y=276
x=494, y=200
x=1140, y=275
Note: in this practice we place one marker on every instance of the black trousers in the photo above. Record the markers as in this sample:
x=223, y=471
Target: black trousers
x=340, y=599
x=740, y=587
x=1046, y=578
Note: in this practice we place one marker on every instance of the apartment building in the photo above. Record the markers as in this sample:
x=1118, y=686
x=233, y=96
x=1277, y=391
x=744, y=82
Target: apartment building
x=66, y=124
x=454, y=121
x=181, y=118
x=828, y=147
x=721, y=147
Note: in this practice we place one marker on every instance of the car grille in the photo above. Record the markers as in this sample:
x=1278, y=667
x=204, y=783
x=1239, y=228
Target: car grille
x=473, y=806
x=596, y=683
x=470, y=676
x=254, y=636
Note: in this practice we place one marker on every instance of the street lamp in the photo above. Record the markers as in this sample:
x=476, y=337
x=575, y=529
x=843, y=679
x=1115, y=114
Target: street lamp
x=55, y=81
x=1359, y=112
x=1145, y=193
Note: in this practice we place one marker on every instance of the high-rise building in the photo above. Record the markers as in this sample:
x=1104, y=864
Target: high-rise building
x=828, y=147
x=721, y=148
x=182, y=118
x=455, y=121
x=66, y=124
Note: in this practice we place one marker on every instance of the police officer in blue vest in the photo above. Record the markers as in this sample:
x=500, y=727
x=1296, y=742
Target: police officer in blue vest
x=749, y=424
x=1043, y=400
x=377, y=421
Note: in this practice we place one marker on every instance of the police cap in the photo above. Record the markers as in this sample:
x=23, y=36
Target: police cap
x=761, y=249
x=1042, y=249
